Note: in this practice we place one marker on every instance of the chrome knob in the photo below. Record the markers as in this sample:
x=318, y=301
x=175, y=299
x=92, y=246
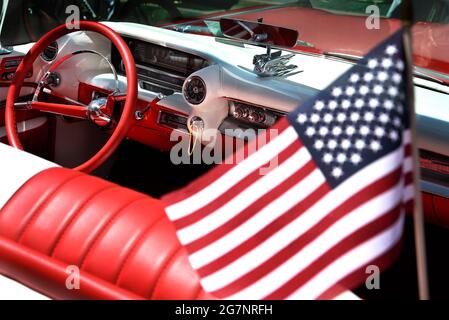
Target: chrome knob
x=139, y=115
x=238, y=113
x=95, y=112
x=256, y=117
x=53, y=79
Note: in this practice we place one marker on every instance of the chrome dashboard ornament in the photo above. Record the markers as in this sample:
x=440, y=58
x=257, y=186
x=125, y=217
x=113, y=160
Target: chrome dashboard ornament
x=273, y=64
x=262, y=34
x=96, y=114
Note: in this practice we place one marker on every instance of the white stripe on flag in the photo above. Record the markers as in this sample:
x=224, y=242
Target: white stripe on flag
x=245, y=198
x=233, y=176
x=408, y=193
x=351, y=261
x=314, y=214
x=406, y=137
x=356, y=219
x=260, y=220
x=408, y=165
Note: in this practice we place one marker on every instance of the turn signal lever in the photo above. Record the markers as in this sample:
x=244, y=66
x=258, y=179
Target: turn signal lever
x=140, y=114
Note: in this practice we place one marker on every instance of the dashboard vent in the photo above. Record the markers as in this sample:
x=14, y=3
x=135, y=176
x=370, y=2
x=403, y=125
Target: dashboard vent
x=50, y=53
x=195, y=90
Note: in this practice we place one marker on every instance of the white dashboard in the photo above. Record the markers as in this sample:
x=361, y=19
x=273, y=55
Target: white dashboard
x=229, y=77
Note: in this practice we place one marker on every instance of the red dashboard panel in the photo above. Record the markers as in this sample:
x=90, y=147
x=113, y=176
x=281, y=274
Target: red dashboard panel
x=436, y=209
x=8, y=67
x=441, y=210
x=150, y=132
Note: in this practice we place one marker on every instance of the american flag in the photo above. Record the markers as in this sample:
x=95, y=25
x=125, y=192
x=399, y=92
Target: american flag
x=333, y=205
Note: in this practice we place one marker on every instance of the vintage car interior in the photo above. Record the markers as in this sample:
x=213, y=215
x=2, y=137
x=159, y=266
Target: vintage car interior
x=97, y=109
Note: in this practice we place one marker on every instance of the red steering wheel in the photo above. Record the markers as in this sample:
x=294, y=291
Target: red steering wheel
x=74, y=110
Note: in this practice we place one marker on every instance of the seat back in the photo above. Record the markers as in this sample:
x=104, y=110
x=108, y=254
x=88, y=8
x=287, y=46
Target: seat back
x=120, y=241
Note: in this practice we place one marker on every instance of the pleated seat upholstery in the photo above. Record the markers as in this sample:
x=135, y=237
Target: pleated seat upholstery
x=120, y=241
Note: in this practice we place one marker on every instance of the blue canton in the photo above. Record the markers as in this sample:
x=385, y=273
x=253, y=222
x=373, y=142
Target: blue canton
x=360, y=117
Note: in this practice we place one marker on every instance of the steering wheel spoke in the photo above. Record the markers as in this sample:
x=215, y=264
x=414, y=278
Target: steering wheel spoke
x=23, y=105
x=62, y=97
x=68, y=110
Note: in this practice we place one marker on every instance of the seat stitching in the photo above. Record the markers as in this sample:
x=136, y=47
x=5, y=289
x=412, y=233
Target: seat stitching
x=134, y=248
x=164, y=269
x=38, y=210
x=105, y=228
x=89, y=199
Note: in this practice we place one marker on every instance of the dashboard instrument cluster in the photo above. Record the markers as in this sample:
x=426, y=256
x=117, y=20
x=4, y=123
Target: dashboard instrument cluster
x=165, y=70
x=8, y=67
x=160, y=69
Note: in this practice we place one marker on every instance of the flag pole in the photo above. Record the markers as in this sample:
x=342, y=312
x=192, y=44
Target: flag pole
x=418, y=219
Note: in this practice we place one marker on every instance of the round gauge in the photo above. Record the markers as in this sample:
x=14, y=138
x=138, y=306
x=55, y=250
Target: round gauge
x=50, y=53
x=195, y=90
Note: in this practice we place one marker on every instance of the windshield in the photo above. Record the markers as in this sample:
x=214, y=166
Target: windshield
x=346, y=27
x=39, y=16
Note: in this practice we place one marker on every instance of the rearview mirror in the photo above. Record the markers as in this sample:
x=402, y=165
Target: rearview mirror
x=258, y=33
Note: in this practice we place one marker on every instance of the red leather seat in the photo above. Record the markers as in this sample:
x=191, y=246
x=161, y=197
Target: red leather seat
x=121, y=240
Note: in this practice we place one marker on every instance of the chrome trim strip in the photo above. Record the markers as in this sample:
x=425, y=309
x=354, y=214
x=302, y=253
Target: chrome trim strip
x=434, y=188
x=160, y=83
x=160, y=71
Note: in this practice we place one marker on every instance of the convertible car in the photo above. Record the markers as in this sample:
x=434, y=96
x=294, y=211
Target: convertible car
x=93, y=109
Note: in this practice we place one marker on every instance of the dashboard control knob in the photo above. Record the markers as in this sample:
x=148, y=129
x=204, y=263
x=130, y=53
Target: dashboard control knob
x=240, y=112
x=139, y=115
x=196, y=124
x=237, y=113
x=256, y=117
x=53, y=79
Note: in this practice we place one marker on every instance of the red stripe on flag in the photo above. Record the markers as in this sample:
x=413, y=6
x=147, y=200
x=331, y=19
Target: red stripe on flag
x=237, y=188
x=350, y=242
x=407, y=151
x=221, y=169
x=265, y=233
x=251, y=210
x=357, y=277
x=408, y=179
x=299, y=243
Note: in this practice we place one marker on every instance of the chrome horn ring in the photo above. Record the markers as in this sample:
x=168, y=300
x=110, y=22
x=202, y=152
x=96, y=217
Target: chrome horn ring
x=95, y=108
x=96, y=114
